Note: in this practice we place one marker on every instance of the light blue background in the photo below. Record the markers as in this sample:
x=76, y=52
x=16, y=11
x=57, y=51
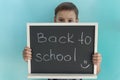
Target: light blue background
x=14, y=14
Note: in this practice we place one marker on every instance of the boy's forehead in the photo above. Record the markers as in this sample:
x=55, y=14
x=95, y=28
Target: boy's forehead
x=66, y=13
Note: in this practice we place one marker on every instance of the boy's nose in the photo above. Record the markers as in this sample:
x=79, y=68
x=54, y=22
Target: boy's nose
x=66, y=21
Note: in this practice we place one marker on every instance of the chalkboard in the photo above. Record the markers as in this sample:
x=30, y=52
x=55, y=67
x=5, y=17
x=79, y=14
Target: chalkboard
x=62, y=48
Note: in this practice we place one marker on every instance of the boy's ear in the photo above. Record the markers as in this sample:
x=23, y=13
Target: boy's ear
x=77, y=20
x=54, y=19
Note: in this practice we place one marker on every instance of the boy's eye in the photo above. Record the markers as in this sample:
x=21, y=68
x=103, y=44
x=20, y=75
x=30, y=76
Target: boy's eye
x=70, y=20
x=61, y=20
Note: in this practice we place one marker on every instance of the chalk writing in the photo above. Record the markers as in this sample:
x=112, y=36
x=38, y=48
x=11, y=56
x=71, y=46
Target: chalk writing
x=58, y=57
x=41, y=38
x=87, y=40
x=85, y=64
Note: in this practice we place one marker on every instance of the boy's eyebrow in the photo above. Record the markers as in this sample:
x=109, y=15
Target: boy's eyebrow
x=60, y=17
x=63, y=18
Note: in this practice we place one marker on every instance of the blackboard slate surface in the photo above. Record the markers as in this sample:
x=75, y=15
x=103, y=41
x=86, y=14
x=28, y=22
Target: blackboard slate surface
x=62, y=49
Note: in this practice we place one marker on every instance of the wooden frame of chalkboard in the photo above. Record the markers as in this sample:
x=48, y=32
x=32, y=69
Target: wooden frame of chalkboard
x=50, y=39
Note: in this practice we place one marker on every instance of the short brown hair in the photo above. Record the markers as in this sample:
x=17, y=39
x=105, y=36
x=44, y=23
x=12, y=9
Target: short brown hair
x=66, y=6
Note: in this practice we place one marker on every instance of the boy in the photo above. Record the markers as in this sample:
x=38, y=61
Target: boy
x=66, y=12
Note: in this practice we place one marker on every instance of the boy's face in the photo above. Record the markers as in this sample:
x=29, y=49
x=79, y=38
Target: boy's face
x=66, y=16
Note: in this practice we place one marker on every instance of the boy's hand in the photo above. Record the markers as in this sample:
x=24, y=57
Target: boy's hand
x=97, y=60
x=27, y=54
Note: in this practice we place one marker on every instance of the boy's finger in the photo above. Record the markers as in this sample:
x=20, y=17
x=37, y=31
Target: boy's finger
x=96, y=54
x=27, y=58
x=27, y=52
x=96, y=58
x=96, y=61
x=27, y=49
x=28, y=55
